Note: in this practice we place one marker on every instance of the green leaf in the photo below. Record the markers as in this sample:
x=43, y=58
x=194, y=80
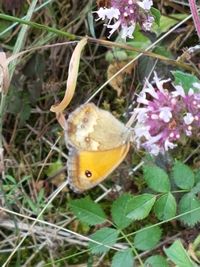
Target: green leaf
x=185, y=79
x=156, y=178
x=183, y=175
x=156, y=14
x=119, y=211
x=123, y=258
x=106, y=236
x=139, y=41
x=167, y=22
x=87, y=211
x=187, y=203
x=148, y=238
x=197, y=176
x=54, y=167
x=196, y=189
x=139, y=207
x=165, y=207
x=156, y=261
x=178, y=255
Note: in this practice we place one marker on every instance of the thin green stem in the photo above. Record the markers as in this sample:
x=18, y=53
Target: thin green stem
x=133, y=248
x=38, y=26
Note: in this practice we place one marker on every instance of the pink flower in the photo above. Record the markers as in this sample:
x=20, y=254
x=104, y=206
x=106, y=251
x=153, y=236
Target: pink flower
x=125, y=14
x=165, y=116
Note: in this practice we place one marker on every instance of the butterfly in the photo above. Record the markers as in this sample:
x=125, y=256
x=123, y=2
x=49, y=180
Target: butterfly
x=97, y=142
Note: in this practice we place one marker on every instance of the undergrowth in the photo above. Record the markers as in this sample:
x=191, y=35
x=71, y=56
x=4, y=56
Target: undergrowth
x=148, y=212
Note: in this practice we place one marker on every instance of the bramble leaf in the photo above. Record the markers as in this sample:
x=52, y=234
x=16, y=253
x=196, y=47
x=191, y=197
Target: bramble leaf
x=183, y=175
x=156, y=261
x=147, y=238
x=178, y=255
x=156, y=178
x=87, y=211
x=106, y=236
x=165, y=207
x=123, y=258
x=139, y=207
x=187, y=203
x=119, y=211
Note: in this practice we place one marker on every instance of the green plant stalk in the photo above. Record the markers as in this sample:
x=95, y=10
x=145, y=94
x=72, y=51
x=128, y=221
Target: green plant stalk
x=38, y=26
x=133, y=248
x=16, y=23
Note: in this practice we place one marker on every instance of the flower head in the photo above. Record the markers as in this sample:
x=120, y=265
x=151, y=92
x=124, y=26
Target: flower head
x=165, y=116
x=125, y=14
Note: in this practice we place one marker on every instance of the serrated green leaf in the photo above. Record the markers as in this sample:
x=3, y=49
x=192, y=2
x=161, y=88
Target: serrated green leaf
x=183, y=175
x=156, y=178
x=156, y=261
x=165, y=207
x=187, y=203
x=139, y=207
x=148, y=238
x=87, y=211
x=156, y=14
x=106, y=236
x=119, y=211
x=123, y=258
x=185, y=79
x=178, y=255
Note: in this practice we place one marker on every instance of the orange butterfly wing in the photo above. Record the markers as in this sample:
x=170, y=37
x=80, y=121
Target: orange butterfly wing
x=88, y=168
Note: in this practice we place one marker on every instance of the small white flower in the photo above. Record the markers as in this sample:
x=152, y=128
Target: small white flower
x=179, y=91
x=188, y=133
x=154, y=150
x=153, y=139
x=148, y=88
x=145, y=4
x=188, y=118
x=165, y=114
x=160, y=83
x=110, y=13
x=154, y=116
x=148, y=24
x=169, y=145
x=127, y=31
x=113, y=27
x=142, y=98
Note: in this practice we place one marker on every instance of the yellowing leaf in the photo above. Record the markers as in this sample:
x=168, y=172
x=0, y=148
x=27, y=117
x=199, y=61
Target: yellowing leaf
x=72, y=77
x=117, y=82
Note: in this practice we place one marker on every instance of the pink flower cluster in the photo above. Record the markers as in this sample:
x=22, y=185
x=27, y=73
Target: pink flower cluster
x=165, y=116
x=125, y=14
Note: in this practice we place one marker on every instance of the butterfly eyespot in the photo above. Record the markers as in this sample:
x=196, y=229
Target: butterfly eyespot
x=85, y=120
x=87, y=139
x=88, y=174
